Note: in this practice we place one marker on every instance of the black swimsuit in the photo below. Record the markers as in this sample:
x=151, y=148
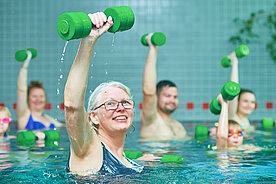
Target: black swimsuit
x=111, y=164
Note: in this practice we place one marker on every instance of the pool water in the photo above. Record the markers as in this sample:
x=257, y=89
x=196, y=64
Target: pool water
x=201, y=163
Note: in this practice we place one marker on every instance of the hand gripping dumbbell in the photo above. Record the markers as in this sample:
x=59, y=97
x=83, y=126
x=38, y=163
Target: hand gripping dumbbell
x=157, y=38
x=75, y=25
x=25, y=138
x=240, y=52
x=21, y=55
x=229, y=91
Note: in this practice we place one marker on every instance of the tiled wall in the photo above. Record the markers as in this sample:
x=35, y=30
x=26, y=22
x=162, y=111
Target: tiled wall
x=197, y=38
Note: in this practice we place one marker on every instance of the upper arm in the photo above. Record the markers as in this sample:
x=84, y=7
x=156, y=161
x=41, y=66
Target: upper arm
x=149, y=109
x=80, y=133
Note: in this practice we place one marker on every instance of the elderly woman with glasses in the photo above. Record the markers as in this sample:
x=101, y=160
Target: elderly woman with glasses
x=97, y=137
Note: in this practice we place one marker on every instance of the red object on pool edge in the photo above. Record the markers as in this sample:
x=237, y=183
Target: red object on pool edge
x=140, y=105
x=61, y=106
x=14, y=106
x=2, y=104
x=269, y=105
x=190, y=105
x=205, y=105
x=256, y=105
x=48, y=106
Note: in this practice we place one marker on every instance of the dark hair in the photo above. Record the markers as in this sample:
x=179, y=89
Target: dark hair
x=162, y=84
x=34, y=84
x=245, y=91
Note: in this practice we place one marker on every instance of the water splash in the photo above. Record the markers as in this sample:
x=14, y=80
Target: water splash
x=60, y=78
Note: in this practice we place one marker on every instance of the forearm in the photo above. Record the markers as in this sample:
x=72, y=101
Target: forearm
x=150, y=75
x=22, y=91
x=77, y=80
x=222, y=132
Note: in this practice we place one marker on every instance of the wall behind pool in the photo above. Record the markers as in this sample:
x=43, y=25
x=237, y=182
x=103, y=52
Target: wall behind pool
x=197, y=38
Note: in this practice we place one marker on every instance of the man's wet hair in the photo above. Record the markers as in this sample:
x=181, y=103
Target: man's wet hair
x=162, y=84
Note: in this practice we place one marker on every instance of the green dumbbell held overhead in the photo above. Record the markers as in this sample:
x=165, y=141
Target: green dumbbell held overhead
x=157, y=38
x=75, y=25
x=201, y=132
x=268, y=123
x=21, y=55
x=229, y=91
x=240, y=52
x=164, y=159
x=25, y=138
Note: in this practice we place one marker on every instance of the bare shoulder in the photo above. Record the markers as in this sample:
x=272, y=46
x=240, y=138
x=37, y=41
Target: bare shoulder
x=177, y=123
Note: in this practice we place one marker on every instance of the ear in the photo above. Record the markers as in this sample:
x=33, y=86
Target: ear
x=94, y=117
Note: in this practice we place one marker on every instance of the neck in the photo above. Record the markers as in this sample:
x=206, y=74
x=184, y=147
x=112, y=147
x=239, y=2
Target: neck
x=242, y=115
x=165, y=116
x=114, y=142
x=36, y=113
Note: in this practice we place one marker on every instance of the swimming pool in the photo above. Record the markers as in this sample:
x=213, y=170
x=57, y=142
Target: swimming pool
x=201, y=164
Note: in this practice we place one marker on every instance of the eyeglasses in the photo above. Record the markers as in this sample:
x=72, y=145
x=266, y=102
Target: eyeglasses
x=113, y=104
x=232, y=132
x=6, y=120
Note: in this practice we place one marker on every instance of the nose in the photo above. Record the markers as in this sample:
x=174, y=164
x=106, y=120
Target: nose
x=120, y=106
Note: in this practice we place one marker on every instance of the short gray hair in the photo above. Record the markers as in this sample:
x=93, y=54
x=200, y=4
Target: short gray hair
x=96, y=95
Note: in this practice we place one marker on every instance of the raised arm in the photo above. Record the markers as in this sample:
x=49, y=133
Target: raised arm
x=149, y=110
x=233, y=105
x=222, y=132
x=21, y=104
x=79, y=130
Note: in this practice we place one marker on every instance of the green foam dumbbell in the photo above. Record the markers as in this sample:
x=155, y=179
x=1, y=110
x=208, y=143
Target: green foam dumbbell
x=165, y=158
x=172, y=158
x=201, y=132
x=21, y=55
x=229, y=91
x=133, y=154
x=75, y=25
x=157, y=38
x=26, y=138
x=52, y=138
x=268, y=123
x=240, y=52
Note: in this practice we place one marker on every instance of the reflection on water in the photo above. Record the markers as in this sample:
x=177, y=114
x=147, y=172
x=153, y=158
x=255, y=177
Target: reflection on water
x=202, y=163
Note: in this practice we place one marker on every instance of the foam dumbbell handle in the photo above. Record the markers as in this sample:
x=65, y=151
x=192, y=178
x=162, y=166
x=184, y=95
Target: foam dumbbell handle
x=230, y=90
x=157, y=38
x=133, y=154
x=26, y=137
x=268, y=123
x=201, y=132
x=172, y=158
